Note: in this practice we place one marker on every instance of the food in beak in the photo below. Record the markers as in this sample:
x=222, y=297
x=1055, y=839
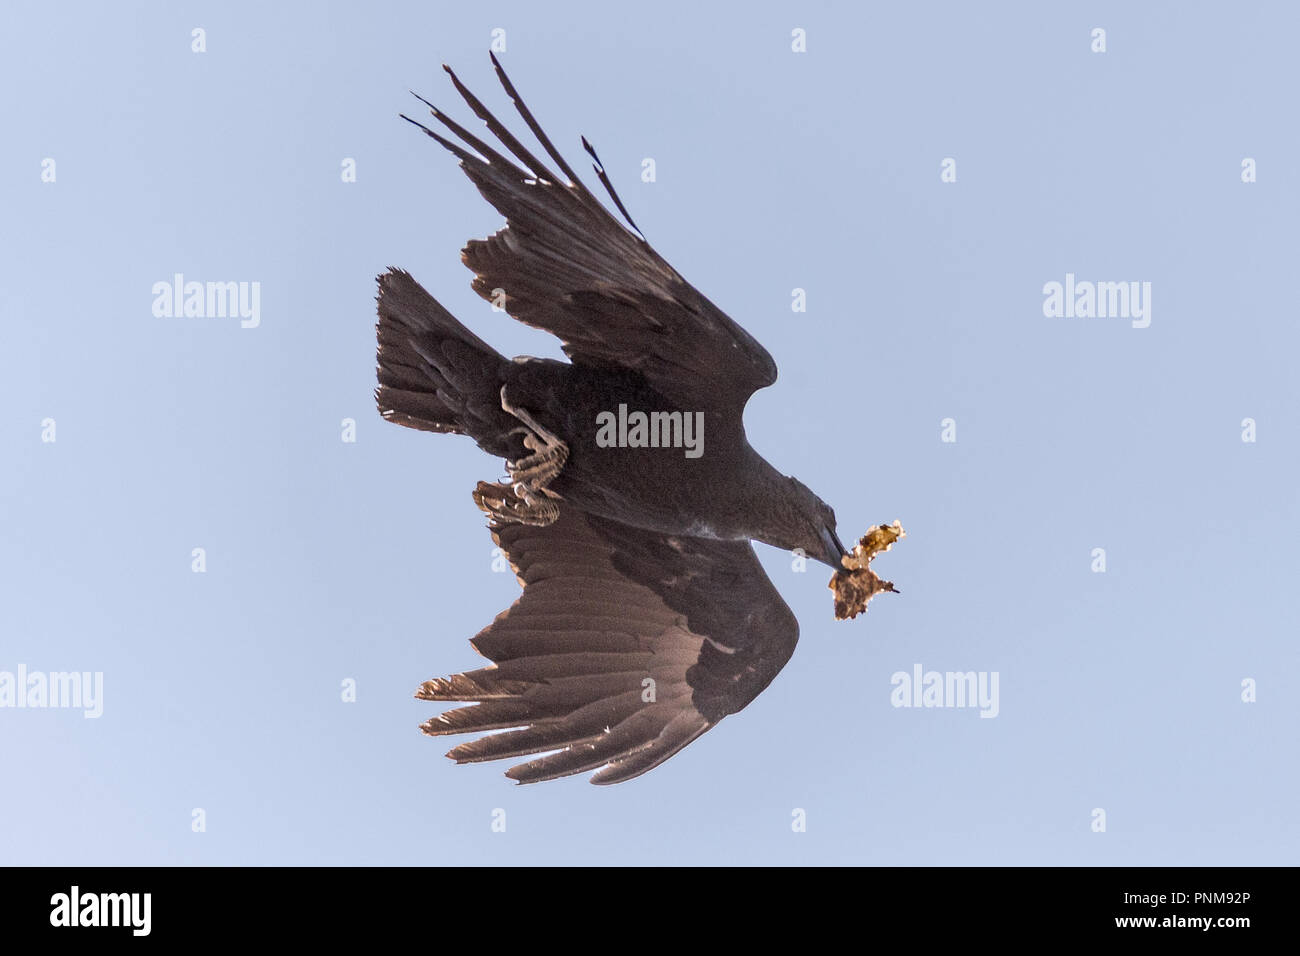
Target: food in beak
x=857, y=583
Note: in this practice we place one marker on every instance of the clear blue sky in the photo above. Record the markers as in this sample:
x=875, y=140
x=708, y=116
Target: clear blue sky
x=775, y=170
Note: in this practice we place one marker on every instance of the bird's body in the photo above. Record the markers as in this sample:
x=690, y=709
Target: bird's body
x=651, y=488
x=656, y=488
x=645, y=616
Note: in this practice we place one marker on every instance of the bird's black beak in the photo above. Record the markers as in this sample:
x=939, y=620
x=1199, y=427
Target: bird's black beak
x=832, y=548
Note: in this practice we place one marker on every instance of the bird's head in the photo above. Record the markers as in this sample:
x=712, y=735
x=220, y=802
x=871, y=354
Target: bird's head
x=812, y=525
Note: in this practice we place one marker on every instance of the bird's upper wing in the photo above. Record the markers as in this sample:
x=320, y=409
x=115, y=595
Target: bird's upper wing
x=565, y=264
x=624, y=647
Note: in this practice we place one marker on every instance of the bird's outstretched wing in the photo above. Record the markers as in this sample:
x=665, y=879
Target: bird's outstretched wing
x=565, y=264
x=624, y=647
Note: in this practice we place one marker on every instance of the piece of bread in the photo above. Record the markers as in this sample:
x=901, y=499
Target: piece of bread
x=857, y=583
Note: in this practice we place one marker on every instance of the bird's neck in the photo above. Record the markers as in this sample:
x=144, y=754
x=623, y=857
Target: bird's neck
x=770, y=512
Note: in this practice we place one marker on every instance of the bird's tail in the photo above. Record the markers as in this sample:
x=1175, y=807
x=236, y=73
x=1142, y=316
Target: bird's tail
x=435, y=374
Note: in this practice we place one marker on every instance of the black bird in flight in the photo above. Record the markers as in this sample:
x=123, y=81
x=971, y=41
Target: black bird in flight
x=645, y=616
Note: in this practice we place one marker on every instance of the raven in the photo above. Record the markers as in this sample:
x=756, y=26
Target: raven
x=645, y=616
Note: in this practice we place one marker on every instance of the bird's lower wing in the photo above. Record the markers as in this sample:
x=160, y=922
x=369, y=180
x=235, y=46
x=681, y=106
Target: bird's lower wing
x=624, y=647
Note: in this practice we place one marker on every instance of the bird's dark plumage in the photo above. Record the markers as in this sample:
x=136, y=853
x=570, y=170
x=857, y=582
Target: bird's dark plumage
x=646, y=617
x=566, y=265
x=615, y=651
